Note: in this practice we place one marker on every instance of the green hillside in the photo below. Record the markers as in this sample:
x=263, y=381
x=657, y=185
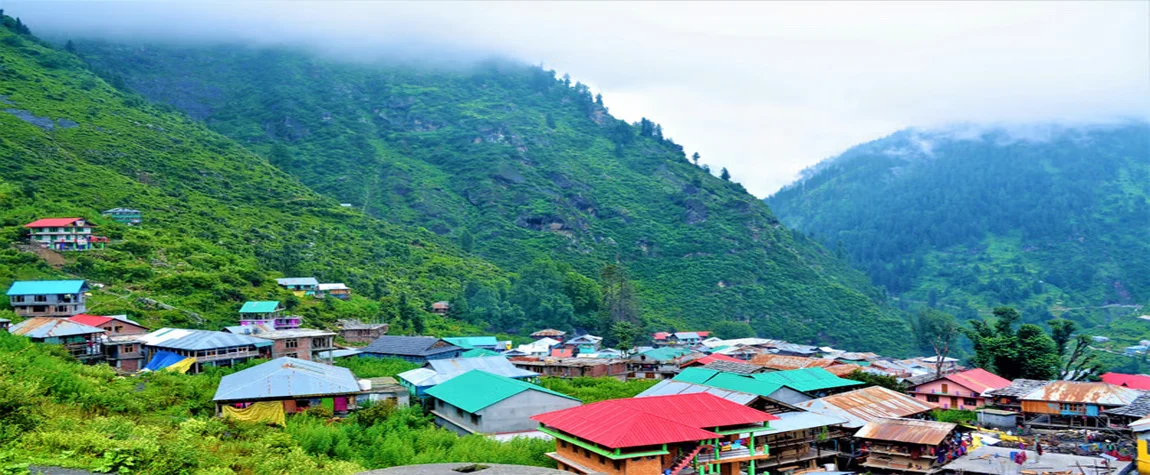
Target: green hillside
x=525, y=170
x=220, y=222
x=1053, y=220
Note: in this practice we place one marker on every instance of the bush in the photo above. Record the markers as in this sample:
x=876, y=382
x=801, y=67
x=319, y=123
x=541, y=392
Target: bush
x=319, y=412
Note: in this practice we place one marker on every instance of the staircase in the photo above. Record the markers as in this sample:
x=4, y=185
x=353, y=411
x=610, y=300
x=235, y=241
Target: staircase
x=684, y=460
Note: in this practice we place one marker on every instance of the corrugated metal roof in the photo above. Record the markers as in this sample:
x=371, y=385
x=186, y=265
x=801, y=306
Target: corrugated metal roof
x=712, y=358
x=1139, y=408
x=654, y=420
x=53, y=223
x=978, y=380
x=686, y=335
x=47, y=287
x=474, y=390
x=806, y=379
x=1133, y=381
x=298, y=281
x=867, y=404
x=662, y=354
x=469, y=342
x=1018, y=388
x=550, y=332
x=783, y=362
x=417, y=376
x=261, y=306
x=668, y=387
x=409, y=346
x=477, y=352
x=908, y=431
x=184, y=339
x=734, y=367
x=333, y=286
x=730, y=381
x=585, y=339
x=447, y=369
x=792, y=421
x=1083, y=392
x=48, y=327
x=284, y=378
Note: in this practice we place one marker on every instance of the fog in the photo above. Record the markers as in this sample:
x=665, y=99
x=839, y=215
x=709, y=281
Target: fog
x=765, y=89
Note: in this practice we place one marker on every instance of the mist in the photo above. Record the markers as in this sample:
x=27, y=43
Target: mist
x=764, y=89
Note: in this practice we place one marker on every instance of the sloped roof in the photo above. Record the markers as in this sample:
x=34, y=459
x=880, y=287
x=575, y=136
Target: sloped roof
x=664, y=354
x=184, y=339
x=52, y=223
x=474, y=390
x=712, y=358
x=440, y=371
x=841, y=370
x=409, y=346
x=47, y=287
x=1140, y=407
x=806, y=379
x=469, y=342
x=333, y=286
x=654, y=420
x=979, y=380
x=284, y=378
x=730, y=381
x=256, y=329
x=122, y=210
x=298, y=281
x=1141, y=425
x=792, y=421
x=261, y=306
x=668, y=387
x=1133, y=381
x=550, y=332
x=1018, y=388
x=781, y=362
x=477, y=352
x=585, y=339
x=739, y=367
x=49, y=327
x=660, y=335
x=97, y=320
x=909, y=431
x=1083, y=392
x=686, y=335
x=867, y=404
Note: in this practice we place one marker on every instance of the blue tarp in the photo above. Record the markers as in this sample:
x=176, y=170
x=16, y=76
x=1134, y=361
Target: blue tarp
x=163, y=359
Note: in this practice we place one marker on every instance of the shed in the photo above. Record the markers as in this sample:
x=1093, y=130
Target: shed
x=296, y=383
x=998, y=419
x=383, y=390
x=482, y=402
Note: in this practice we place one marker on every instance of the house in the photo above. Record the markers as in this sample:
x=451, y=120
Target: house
x=209, y=348
x=959, y=390
x=1065, y=404
x=573, y=367
x=661, y=338
x=795, y=349
x=1136, y=350
x=64, y=234
x=709, y=359
x=861, y=406
x=301, y=343
x=802, y=440
x=1132, y=381
x=4, y=323
x=1128, y=414
x=441, y=307
x=1141, y=429
x=122, y=349
x=471, y=342
x=478, y=402
x=440, y=371
x=307, y=285
x=759, y=402
x=742, y=383
x=291, y=384
x=268, y=312
x=732, y=367
x=906, y=445
x=540, y=347
x=785, y=362
x=685, y=338
x=83, y=342
x=383, y=390
x=48, y=298
x=652, y=435
x=562, y=352
x=128, y=216
x=355, y=331
x=335, y=290
x=659, y=363
x=416, y=349
x=478, y=352
x=585, y=343
x=1009, y=397
x=550, y=333
x=815, y=381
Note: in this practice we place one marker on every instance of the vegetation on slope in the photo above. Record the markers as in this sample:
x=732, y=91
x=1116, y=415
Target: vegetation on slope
x=1049, y=219
x=526, y=170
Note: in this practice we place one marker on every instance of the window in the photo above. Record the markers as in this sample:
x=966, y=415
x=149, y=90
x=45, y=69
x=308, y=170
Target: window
x=17, y=298
x=931, y=398
x=41, y=298
x=969, y=402
x=602, y=459
x=945, y=389
x=129, y=348
x=616, y=464
x=40, y=309
x=474, y=419
x=292, y=343
x=459, y=412
x=562, y=444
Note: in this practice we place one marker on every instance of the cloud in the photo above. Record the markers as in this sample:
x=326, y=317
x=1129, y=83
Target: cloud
x=762, y=88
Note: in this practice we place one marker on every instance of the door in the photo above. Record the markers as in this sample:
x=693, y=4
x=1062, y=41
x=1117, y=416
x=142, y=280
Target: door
x=340, y=404
x=953, y=403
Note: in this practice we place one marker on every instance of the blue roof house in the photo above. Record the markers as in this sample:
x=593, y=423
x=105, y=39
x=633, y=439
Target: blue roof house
x=417, y=349
x=209, y=348
x=296, y=383
x=48, y=298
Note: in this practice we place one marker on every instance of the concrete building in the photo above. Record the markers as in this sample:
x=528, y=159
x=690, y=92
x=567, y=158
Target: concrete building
x=83, y=342
x=478, y=402
x=48, y=298
x=64, y=234
x=355, y=331
x=302, y=343
x=573, y=367
x=268, y=312
x=209, y=348
x=122, y=350
x=306, y=285
x=962, y=390
x=416, y=349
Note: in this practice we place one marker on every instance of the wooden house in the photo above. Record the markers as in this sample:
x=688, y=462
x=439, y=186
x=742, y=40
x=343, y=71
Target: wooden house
x=657, y=435
x=906, y=445
x=334, y=290
x=416, y=349
x=1065, y=404
x=505, y=405
x=48, y=298
x=861, y=406
x=1009, y=397
x=962, y=390
x=128, y=216
x=85, y=343
x=355, y=331
x=292, y=384
x=122, y=349
x=64, y=234
x=801, y=442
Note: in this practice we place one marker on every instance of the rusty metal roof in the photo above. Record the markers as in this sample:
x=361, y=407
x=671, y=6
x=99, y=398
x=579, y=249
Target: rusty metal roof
x=783, y=362
x=864, y=405
x=48, y=327
x=908, y=431
x=1103, y=394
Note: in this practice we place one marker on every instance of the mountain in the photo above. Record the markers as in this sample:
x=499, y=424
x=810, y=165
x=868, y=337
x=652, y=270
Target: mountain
x=525, y=170
x=1051, y=219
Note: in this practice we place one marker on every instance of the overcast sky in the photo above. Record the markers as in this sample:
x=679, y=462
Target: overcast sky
x=762, y=88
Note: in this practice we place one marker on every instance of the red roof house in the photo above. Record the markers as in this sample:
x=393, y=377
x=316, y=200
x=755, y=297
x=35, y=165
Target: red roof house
x=114, y=325
x=57, y=223
x=660, y=336
x=1132, y=381
x=64, y=234
x=959, y=390
x=645, y=436
x=710, y=359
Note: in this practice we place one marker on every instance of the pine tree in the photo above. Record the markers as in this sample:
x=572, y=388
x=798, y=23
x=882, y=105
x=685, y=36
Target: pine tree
x=695, y=158
x=725, y=175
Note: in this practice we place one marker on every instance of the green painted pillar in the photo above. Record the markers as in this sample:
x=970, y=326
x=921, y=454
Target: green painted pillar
x=751, y=467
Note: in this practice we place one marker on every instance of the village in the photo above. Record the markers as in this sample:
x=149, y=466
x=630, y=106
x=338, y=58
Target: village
x=719, y=406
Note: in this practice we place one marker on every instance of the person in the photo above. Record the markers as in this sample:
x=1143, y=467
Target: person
x=1038, y=449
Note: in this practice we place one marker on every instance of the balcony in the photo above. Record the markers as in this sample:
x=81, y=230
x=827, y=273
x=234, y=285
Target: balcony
x=85, y=350
x=741, y=454
x=228, y=356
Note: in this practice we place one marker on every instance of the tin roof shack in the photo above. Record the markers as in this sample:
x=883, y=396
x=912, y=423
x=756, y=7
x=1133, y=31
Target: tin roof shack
x=738, y=382
x=383, y=390
x=1066, y=404
x=436, y=372
x=416, y=349
x=83, y=342
x=304, y=285
x=303, y=343
x=478, y=402
x=122, y=349
x=573, y=367
x=295, y=383
x=209, y=348
x=1130, y=413
x=861, y=406
x=990, y=460
x=268, y=312
x=906, y=445
x=814, y=381
x=659, y=363
x=801, y=441
x=959, y=390
x=785, y=362
x=705, y=360
x=337, y=290
x=648, y=435
x=355, y=331
x=1009, y=398
x=441, y=307
x=48, y=298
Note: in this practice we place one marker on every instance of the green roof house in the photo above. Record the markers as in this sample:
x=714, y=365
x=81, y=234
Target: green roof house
x=478, y=402
x=470, y=342
x=743, y=383
x=816, y=381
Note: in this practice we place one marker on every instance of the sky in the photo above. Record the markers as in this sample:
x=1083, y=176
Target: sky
x=764, y=89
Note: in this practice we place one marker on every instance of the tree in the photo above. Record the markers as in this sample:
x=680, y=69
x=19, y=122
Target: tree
x=936, y=331
x=619, y=297
x=1024, y=353
x=725, y=175
x=1037, y=355
x=871, y=379
x=70, y=47
x=624, y=334
x=466, y=241
x=541, y=293
x=695, y=158
x=599, y=99
x=1080, y=362
x=728, y=330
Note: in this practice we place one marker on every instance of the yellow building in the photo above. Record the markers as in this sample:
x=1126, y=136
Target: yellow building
x=1141, y=428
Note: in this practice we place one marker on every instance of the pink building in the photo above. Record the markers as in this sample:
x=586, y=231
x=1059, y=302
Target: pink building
x=959, y=390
